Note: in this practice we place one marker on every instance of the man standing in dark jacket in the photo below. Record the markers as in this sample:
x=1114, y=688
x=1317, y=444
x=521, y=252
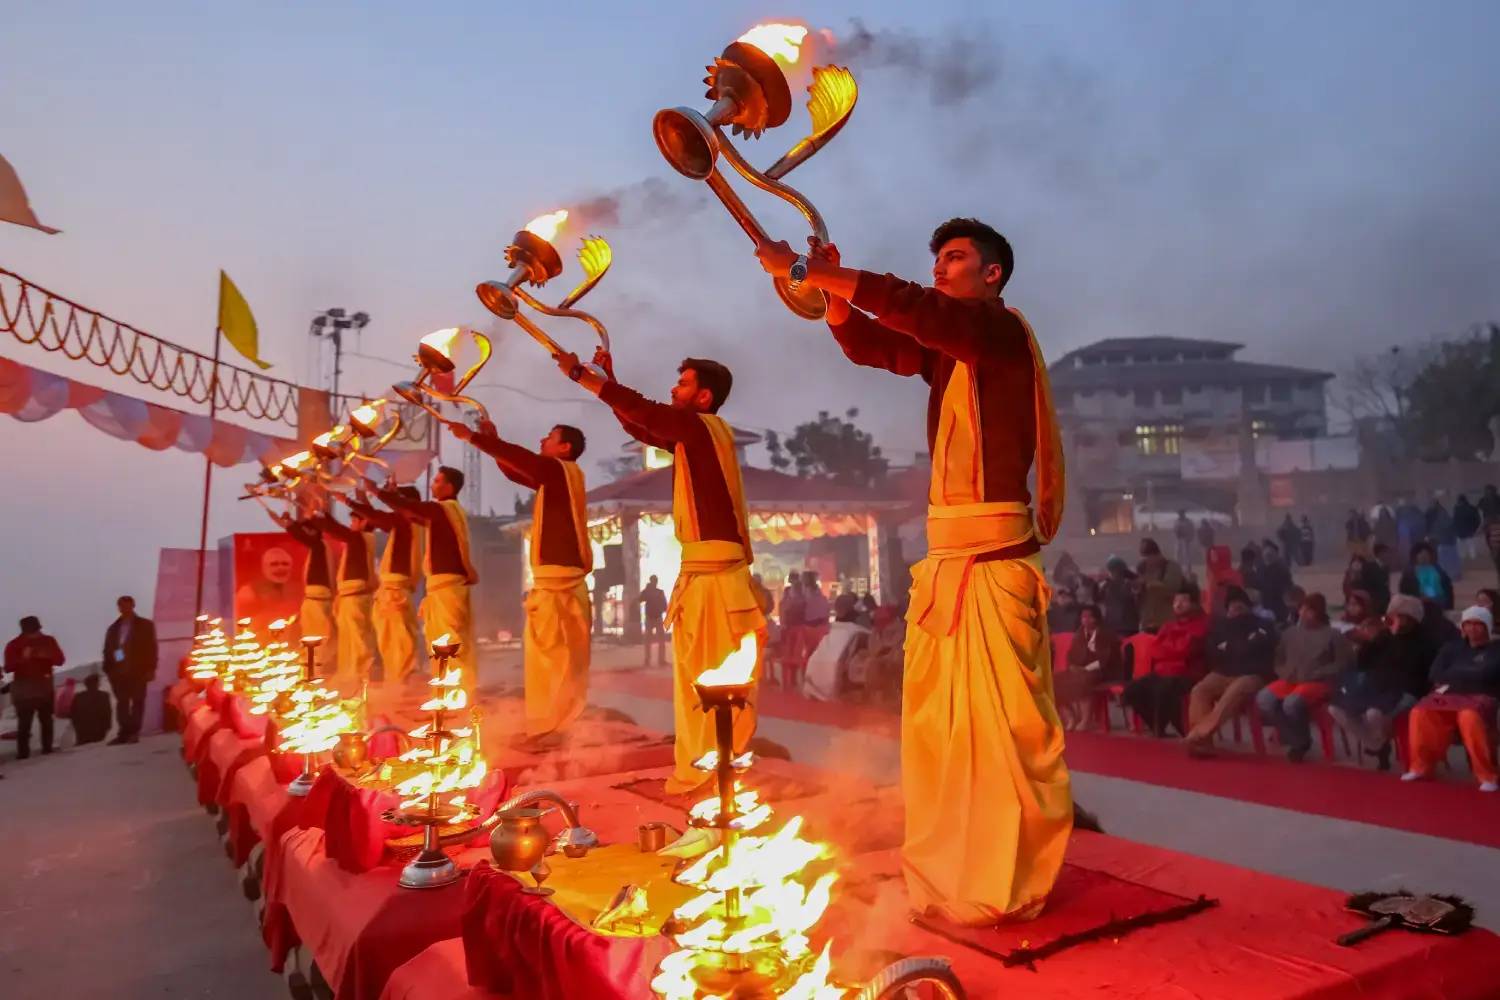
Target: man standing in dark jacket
x=1240, y=654
x=30, y=659
x=130, y=665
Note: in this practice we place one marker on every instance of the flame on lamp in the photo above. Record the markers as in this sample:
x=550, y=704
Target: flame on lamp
x=442, y=341
x=738, y=667
x=782, y=42
x=279, y=624
x=546, y=226
x=367, y=415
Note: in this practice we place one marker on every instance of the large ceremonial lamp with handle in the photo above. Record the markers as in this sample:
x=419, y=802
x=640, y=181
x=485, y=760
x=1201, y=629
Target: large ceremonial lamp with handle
x=534, y=260
x=750, y=93
x=437, y=355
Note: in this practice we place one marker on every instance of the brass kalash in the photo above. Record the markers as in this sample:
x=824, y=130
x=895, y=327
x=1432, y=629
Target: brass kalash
x=746, y=935
x=534, y=260
x=751, y=94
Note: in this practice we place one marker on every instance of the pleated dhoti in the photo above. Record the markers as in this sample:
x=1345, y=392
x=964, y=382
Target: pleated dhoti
x=989, y=805
x=559, y=624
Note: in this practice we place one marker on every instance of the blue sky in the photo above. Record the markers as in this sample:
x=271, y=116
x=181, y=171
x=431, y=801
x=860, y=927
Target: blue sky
x=1310, y=179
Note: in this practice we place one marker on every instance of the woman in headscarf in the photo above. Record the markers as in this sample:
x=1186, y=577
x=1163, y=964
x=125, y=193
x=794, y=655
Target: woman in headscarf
x=1369, y=576
x=1094, y=658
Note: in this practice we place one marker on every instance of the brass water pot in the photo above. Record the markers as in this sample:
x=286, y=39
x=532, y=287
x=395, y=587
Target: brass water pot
x=520, y=841
x=352, y=752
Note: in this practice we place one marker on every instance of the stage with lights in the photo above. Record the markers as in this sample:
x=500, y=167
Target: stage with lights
x=1125, y=919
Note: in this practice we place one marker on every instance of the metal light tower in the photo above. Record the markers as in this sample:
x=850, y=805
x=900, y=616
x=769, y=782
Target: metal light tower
x=332, y=324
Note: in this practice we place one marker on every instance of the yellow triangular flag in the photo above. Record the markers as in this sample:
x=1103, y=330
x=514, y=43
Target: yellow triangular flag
x=236, y=321
x=14, y=206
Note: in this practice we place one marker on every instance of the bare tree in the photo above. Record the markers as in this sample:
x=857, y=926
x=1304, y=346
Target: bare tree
x=1377, y=386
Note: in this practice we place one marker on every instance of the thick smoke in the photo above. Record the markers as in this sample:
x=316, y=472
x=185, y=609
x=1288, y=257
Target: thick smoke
x=954, y=69
x=651, y=201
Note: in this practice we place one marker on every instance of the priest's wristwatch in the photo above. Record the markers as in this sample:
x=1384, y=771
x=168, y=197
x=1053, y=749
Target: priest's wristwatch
x=797, y=274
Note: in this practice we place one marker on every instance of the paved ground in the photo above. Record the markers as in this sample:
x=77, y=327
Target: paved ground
x=113, y=885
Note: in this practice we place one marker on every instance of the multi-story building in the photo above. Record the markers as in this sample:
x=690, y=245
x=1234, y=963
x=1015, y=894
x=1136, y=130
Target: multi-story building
x=1129, y=406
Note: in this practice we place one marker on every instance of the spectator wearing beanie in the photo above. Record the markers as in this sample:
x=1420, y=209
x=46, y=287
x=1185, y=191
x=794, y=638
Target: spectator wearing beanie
x=1309, y=657
x=1240, y=652
x=1466, y=683
x=1388, y=677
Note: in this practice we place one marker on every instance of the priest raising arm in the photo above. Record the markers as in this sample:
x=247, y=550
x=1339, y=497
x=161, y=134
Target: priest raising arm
x=558, y=618
x=394, y=615
x=447, y=608
x=713, y=607
x=988, y=800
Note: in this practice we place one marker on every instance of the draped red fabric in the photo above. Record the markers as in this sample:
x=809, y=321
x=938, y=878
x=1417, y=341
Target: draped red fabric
x=524, y=946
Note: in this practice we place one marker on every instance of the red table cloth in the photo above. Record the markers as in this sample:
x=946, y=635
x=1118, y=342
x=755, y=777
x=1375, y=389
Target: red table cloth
x=359, y=928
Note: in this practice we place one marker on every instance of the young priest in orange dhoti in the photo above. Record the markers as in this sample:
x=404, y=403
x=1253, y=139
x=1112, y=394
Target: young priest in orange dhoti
x=559, y=622
x=988, y=803
x=446, y=610
x=714, y=604
x=394, y=609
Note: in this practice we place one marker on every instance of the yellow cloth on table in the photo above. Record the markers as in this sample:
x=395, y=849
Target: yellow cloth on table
x=558, y=627
x=989, y=804
x=446, y=611
x=315, y=617
x=584, y=886
x=713, y=607
x=394, y=617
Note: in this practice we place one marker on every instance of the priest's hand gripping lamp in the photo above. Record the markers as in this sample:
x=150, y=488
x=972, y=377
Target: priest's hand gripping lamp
x=441, y=353
x=534, y=259
x=751, y=94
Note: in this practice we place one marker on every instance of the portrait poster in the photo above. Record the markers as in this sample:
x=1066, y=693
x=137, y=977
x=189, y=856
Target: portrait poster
x=268, y=576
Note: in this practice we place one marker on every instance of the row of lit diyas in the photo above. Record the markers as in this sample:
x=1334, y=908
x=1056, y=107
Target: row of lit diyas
x=449, y=764
x=746, y=933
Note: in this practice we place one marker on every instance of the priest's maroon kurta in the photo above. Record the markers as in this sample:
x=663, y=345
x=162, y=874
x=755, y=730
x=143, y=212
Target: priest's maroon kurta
x=524, y=467
x=663, y=426
x=922, y=331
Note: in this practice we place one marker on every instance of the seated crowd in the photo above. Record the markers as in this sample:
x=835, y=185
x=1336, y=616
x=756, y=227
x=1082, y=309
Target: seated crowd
x=1389, y=666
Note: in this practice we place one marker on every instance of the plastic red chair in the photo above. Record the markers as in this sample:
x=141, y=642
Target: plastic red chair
x=1061, y=643
x=1320, y=718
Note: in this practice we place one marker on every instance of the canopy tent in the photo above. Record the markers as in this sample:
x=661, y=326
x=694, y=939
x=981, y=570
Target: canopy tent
x=636, y=513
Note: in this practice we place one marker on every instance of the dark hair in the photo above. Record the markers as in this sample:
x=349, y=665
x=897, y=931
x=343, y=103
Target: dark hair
x=410, y=492
x=125, y=597
x=1149, y=547
x=711, y=376
x=1237, y=595
x=1191, y=592
x=1492, y=594
x=31, y=623
x=1092, y=609
x=91, y=682
x=573, y=438
x=993, y=248
x=454, y=476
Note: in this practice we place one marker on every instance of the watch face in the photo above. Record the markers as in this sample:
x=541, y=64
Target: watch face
x=798, y=271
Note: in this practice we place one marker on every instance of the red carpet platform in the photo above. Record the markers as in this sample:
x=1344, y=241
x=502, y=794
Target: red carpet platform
x=1264, y=937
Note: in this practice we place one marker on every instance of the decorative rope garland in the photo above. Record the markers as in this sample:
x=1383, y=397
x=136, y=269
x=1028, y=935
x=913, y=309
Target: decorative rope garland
x=35, y=315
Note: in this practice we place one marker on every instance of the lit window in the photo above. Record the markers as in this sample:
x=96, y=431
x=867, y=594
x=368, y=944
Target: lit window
x=1145, y=439
x=1171, y=439
x=1259, y=428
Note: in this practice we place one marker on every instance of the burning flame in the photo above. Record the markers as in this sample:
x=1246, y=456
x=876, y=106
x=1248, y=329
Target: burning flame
x=546, y=226
x=442, y=341
x=368, y=414
x=442, y=640
x=738, y=667
x=294, y=463
x=782, y=42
